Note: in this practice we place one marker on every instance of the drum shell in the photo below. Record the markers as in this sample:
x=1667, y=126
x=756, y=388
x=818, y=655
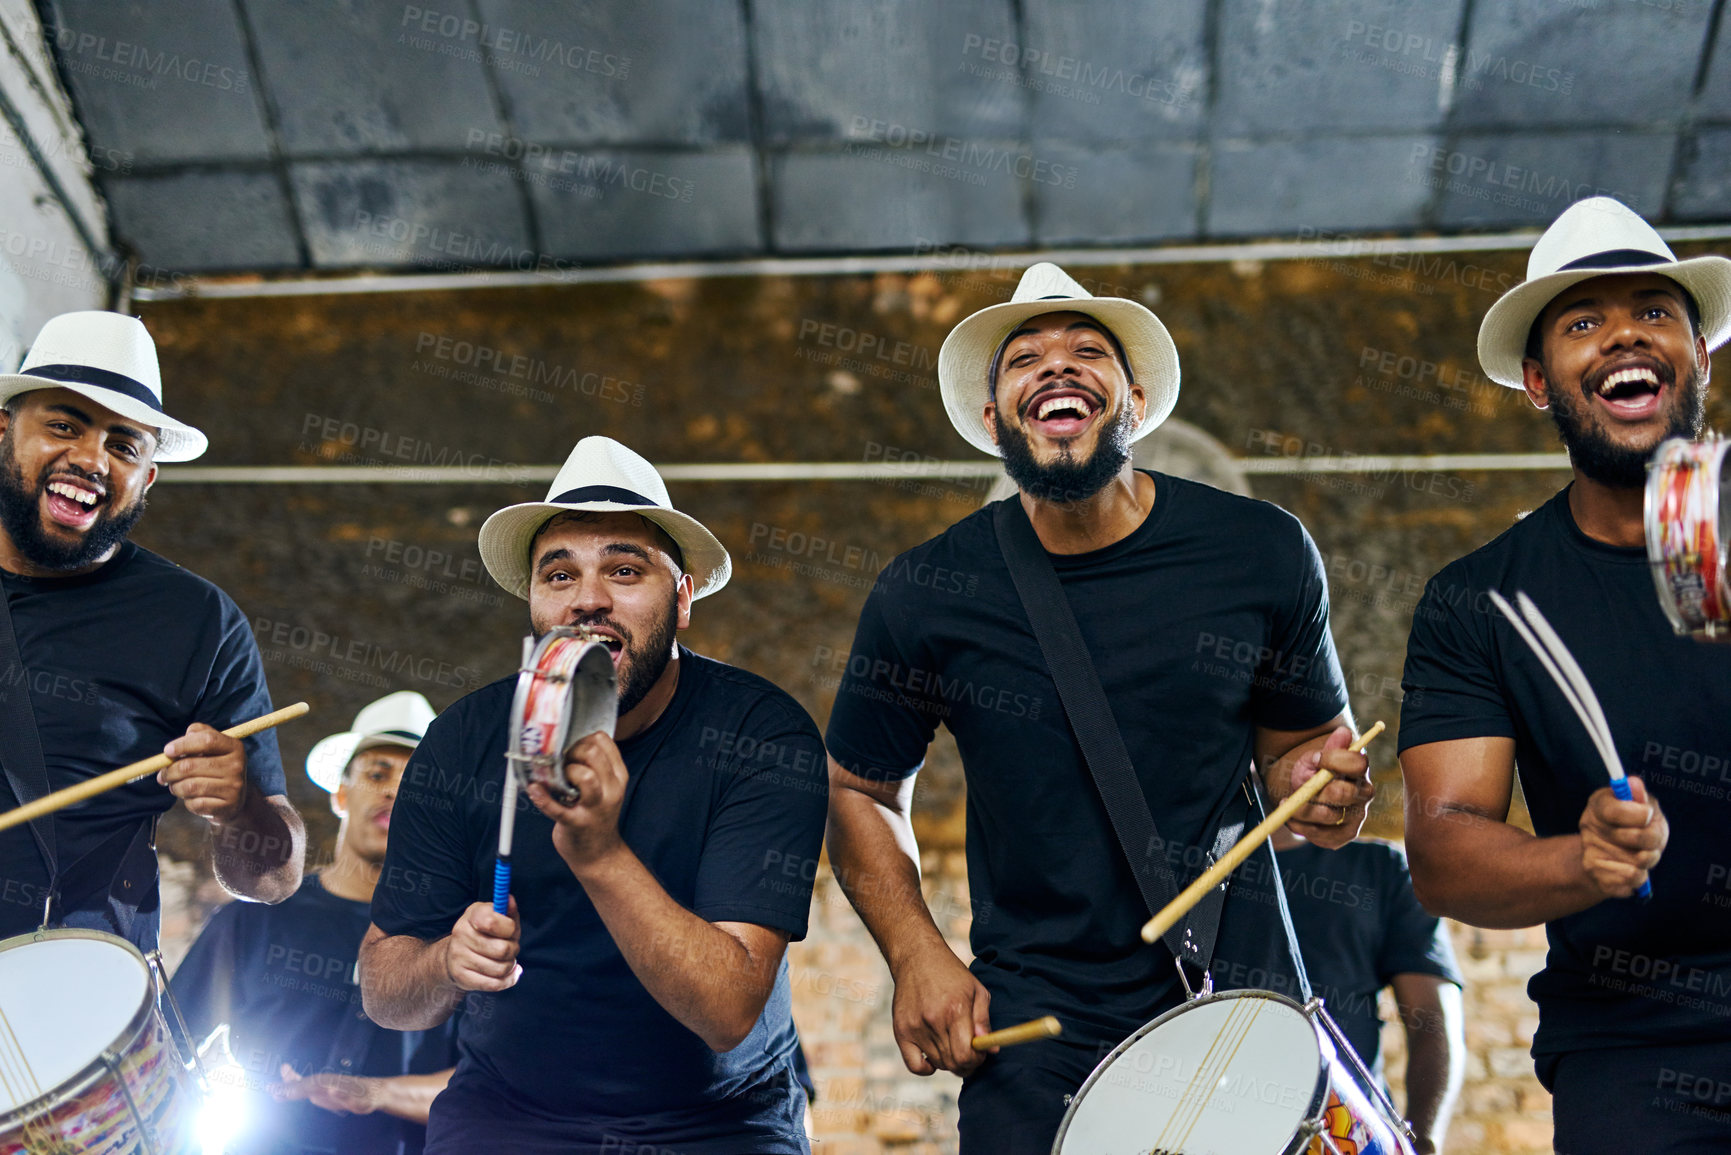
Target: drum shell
x=1327, y=1096
x=90, y=1109
x=1678, y=577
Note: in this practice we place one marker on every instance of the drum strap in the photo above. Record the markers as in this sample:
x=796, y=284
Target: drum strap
x=1090, y=714
x=21, y=743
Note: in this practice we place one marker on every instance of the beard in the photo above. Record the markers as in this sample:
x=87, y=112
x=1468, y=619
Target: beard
x=21, y=515
x=1066, y=479
x=1620, y=466
x=640, y=665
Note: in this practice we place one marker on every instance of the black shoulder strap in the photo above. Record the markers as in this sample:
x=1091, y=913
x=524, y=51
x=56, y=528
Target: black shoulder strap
x=1090, y=715
x=20, y=743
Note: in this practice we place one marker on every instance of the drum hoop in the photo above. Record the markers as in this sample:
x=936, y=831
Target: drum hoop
x=93, y=1072
x=1707, y=459
x=1318, y=1098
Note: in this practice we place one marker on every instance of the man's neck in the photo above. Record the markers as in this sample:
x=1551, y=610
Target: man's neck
x=643, y=715
x=13, y=561
x=350, y=876
x=1108, y=517
x=1607, y=513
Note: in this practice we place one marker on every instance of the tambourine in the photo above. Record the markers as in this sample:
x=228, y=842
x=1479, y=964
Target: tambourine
x=566, y=690
x=1685, y=509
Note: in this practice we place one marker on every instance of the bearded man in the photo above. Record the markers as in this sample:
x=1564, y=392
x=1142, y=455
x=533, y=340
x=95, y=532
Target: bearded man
x=636, y=997
x=119, y=653
x=1611, y=333
x=1205, y=616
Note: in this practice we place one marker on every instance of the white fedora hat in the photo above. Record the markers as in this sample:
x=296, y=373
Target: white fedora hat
x=110, y=359
x=965, y=361
x=1594, y=238
x=399, y=719
x=603, y=476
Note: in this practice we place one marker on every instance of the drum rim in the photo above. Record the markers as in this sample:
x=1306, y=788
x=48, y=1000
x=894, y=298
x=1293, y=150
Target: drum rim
x=89, y=1075
x=520, y=698
x=1672, y=452
x=1318, y=1098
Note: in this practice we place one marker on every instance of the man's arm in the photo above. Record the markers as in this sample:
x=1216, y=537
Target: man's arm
x=260, y=841
x=1289, y=758
x=1470, y=864
x=404, y=1096
x=1436, y=1050
x=412, y=984
x=939, y=1005
x=713, y=977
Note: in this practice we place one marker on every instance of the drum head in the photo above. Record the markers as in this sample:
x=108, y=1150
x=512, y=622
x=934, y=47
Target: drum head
x=594, y=694
x=1234, y=1074
x=67, y=996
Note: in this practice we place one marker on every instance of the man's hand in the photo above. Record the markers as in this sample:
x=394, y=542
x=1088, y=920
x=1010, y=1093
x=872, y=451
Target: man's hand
x=208, y=773
x=1334, y=817
x=481, y=952
x=587, y=831
x=939, y=1007
x=342, y=1094
x=1622, y=841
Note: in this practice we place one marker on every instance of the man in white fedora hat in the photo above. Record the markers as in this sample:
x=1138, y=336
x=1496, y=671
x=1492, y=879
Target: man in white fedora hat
x=1611, y=332
x=1205, y=618
x=124, y=653
x=637, y=996
x=318, y=1075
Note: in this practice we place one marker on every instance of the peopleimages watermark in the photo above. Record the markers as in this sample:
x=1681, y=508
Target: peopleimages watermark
x=140, y=65
x=1403, y=375
x=1485, y=178
x=461, y=251
x=1059, y=74
x=507, y=49
x=1274, y=443
x=567, y=170
x=950, y=156
x=351, y=443
x=525, y=372
x=1410, y=53
x=323, y=651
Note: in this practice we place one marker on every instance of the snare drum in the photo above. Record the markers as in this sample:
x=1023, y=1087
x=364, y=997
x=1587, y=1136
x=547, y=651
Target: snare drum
x=1686, y=510
x=566, y=691
x=1239, y=1073
x=87, y=1063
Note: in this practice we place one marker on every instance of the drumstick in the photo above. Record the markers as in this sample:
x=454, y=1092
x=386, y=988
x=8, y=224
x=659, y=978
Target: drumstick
x=60, y=799
x=1192, y=894
x=1045, y=1027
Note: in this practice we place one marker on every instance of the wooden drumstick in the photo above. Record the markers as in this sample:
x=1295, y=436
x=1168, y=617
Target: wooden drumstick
x=1212, y=877
x=60, y=799
x=1045, y=1027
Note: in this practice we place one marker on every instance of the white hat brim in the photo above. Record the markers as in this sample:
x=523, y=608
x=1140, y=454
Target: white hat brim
x=506, y=536
x=330, y=756
x=1503, y=333
x=175, y=441
x=965, y=360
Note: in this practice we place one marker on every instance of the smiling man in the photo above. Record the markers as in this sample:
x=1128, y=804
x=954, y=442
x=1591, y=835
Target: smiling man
x=637, y=997
x=124, y=654
x=1611, y=333
x=1206, y=618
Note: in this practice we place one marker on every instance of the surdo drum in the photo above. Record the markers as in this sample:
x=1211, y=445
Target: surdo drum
x=1239, y=1073
x=87, y=1064
x=1686, y=518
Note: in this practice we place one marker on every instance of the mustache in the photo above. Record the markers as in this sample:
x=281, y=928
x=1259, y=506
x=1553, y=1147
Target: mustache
x=599, y=620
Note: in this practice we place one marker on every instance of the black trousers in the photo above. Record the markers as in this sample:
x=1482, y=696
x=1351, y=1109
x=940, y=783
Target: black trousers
x=1664, y=1100
x=1013, y=1104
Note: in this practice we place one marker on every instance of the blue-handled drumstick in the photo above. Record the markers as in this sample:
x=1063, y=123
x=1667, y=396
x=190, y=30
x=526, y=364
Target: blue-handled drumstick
x=1548, y=646
x=507, y=826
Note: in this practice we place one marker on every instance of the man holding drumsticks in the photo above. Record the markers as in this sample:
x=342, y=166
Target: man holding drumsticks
x=114, y=654
x=637, y=997
x=1206, y=617
x=1611, y=333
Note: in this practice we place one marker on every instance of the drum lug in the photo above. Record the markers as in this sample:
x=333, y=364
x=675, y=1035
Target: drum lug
x=1068, y=1099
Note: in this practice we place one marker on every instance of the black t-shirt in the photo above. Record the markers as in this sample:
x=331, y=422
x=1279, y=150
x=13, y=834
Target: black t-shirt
x=1623, y=971
x=1359, y=924
x=120, y=662
x=1210, y=619
x=725, y=806
x=283, y=978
